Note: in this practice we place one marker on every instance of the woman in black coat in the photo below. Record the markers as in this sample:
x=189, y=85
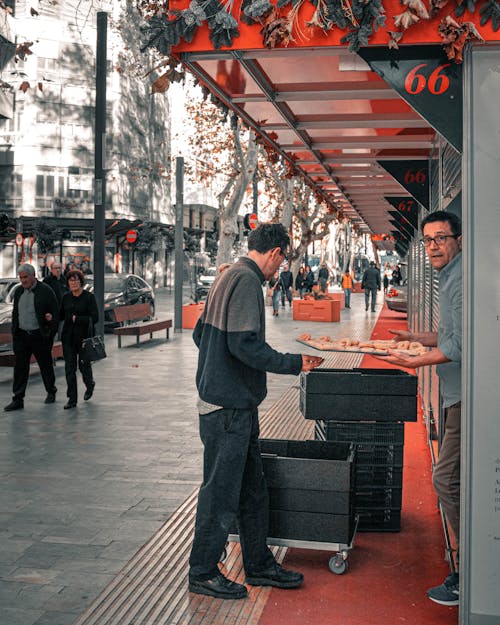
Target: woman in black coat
x=79, y=313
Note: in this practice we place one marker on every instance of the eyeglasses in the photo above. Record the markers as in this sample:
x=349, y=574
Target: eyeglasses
x=439, y=240
x=284, y=254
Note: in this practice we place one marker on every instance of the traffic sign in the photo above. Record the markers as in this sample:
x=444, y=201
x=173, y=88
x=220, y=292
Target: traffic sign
x=131, y=236
x=19, y=239
x=250, y=221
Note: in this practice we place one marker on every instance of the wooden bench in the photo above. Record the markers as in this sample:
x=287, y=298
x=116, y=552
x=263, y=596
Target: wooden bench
x=136, y=320
x=7, y=357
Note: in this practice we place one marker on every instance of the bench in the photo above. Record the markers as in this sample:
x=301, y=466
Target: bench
x=136, y=320
x=7, y=357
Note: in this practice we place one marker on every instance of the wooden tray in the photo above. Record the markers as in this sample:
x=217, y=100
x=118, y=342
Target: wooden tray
x=353, y=350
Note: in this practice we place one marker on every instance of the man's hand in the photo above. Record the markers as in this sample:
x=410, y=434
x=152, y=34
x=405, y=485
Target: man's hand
x=48, y=316
x=399, y=359
x=310, y=362
x=401, y=335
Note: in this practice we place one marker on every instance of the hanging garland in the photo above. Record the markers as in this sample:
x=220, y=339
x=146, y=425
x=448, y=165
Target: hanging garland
x=279, y=22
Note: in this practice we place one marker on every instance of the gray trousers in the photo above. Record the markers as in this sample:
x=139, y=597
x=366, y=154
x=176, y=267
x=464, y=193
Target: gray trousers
x=446, y=476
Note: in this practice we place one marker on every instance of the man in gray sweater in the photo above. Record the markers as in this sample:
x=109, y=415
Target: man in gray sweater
x=231, y=381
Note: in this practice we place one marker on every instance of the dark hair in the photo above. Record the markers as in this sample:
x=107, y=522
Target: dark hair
x=78, y=274
x=451, y=218
x=268, y=236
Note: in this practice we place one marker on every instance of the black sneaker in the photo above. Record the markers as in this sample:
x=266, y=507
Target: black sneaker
x=15, y=404
x=275, y=575
x=50, y=399
x=447, y=593
x=219, y=587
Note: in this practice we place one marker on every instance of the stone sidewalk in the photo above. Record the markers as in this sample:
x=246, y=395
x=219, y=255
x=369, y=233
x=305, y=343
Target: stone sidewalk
x=82, y=490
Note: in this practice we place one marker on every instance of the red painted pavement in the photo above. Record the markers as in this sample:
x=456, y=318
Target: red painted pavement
x=388, y=573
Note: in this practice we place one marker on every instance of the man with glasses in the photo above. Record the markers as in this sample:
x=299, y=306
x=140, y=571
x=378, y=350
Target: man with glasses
x=442, y=239
x=231, y=381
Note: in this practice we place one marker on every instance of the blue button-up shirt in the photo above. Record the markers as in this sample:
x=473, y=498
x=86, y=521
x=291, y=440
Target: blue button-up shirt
x=450, y=330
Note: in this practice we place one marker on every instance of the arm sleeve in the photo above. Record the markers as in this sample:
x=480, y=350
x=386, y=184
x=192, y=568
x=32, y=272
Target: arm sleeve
x=451, y=344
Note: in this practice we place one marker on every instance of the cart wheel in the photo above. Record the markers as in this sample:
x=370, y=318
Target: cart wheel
x=223, y=555
x=337, y=564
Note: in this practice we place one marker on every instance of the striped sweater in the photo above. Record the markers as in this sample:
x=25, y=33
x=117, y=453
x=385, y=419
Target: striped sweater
x=230, y=335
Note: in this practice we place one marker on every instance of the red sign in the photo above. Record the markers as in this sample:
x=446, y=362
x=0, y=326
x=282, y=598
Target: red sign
x=253, y=221
x=131, y=236
x=19, y=239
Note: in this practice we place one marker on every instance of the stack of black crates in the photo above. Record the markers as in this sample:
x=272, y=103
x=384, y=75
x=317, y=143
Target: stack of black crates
x=366, y=407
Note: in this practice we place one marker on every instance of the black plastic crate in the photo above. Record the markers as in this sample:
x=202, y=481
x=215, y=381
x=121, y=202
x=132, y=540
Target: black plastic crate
x=387, y=520
x=359, y=394
x=361, y=432
x=376, y=498
x=378, y=476
x=379, y=455
x=311, y=486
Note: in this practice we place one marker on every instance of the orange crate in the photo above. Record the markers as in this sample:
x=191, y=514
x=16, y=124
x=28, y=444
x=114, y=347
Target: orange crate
x=190, y=314
x=338, y=296
x=316, y=310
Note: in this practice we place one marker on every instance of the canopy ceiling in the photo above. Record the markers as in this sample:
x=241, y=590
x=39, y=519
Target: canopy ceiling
x=326, y=111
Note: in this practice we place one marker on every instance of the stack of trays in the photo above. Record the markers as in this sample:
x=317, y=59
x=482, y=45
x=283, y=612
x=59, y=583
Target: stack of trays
x=378, y=469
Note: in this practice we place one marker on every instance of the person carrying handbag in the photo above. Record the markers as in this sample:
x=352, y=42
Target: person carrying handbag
x=79, y=313
x=275, y=288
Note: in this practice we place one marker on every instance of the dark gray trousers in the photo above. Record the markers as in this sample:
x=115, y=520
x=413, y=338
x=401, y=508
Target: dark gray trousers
x=233, y=489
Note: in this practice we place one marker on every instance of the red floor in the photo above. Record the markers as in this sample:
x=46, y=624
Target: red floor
x=388, y=572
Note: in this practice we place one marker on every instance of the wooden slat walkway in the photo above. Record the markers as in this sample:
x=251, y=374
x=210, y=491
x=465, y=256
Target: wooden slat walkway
x=152, y=587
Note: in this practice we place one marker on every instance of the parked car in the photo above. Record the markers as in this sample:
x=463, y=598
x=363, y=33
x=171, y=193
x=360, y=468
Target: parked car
x=397, y=298
x=205, y=281
x=6, y=292
x=122, y=289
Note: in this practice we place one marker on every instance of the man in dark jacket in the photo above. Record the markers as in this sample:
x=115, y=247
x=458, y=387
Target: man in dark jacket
x=56, y=281
x=371, y=284
x=231, y=381
x=35, y=317
x=323, y=276
x=286, y=281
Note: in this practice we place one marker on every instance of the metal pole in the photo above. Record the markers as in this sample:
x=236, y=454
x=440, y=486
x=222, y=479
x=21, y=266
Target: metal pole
x=179, y=242
x=100, y=165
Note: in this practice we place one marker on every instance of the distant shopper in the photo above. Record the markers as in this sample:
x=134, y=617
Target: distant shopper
x=274, y=286
x=286, y=280
x=79, y=313
x=231, y=381
x=386, y=283
x=309, y=279
x=371, y=284
x=299, y=281
x=35, y=318
x=397, y=276
x=347, y=286
x=442, y=239
x=323, y=275
x=56, y=281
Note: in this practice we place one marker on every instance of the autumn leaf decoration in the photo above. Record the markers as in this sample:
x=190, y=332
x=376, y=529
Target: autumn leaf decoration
x=455, y=36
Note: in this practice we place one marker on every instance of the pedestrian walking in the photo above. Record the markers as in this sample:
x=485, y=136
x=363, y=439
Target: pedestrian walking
x=371, y=284
x=35, y=317
x=79, y=314
x=347, y=286
x=231, y=381
x=286, y=281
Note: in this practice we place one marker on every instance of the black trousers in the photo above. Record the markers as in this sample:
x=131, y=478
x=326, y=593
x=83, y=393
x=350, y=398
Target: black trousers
x=234, y=488
x=288, y=294
x=72, y=360
x=25, y=345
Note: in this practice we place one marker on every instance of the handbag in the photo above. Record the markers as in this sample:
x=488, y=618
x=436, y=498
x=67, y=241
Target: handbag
x=93, y=346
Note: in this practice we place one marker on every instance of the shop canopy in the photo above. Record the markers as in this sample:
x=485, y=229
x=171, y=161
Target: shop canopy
x=359, y=127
